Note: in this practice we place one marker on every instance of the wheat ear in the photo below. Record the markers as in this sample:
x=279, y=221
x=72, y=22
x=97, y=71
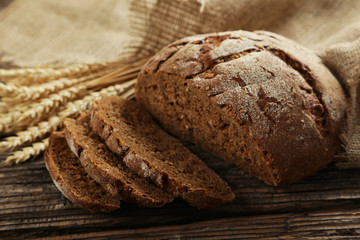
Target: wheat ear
x=16, y=120
x=49, y=73
x=30, y=134
x=96, y=80
x=54, y=122
x=26, y=93
x=29, y=76
x=5, y=107
x=20, y=94
x=26, y=153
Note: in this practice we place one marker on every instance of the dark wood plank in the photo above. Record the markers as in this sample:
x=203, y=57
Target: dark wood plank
x=334, y=224
x=31, y=205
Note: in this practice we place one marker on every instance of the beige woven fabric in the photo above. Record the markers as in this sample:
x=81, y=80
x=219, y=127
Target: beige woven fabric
x=60, y=32
x=40, y=32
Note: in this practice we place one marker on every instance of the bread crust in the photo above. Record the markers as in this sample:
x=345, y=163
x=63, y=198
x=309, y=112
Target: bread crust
x=275, y=93
x=60, y=180
x=144, y=166
x=113, y=178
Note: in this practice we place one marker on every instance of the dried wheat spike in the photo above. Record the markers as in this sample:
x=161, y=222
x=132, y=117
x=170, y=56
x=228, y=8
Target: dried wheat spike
x=83, y=104
x=21, y=101
x=36, y=75
x=31, y=81
x=31, y=134
x=5, y=107
x=54, y=122
x=26, y=93
x=50, y=73
x=20, y=119
x=14, y=93
x=26, y=153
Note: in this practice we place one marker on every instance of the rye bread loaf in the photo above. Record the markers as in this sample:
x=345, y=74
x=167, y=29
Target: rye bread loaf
x=257, y=100
x=108, y=169
x=149, y=151
x=72, y=180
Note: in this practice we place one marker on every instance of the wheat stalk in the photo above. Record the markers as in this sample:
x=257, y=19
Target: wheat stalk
x=83, y=104
x=18, y=119
x=54, y=122
x=30, y=134
x=5, y=107
x=34, y=92
x=28, y=76
x=15, y=94
x=129, y=94
x=122, y=74
x=109, y=79
x=43, y=107
x=22, y=101
x=44, y=74
x=25, y=115
x=26, y=153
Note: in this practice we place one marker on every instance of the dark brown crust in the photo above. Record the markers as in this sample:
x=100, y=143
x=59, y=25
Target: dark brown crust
x=197, y=197
x=116, y=179
x=52, y=164
x=278, y=93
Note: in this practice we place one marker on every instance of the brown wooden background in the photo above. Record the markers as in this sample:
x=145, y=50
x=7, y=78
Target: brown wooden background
x=324, y=206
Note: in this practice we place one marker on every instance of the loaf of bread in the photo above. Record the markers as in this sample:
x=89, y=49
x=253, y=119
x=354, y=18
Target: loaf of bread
x=255, y=99
x=129, y=131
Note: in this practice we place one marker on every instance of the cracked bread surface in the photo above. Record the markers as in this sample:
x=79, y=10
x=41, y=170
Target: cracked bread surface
x=254, y=99
x=153, y=154
x=72, y=180
x=108, y=169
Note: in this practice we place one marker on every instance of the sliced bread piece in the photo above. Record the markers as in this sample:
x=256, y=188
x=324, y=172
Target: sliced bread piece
x=72, y=180
x=152, y=153
x=108, y=169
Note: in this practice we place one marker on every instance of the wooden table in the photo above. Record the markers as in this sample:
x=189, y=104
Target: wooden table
x=324, y=206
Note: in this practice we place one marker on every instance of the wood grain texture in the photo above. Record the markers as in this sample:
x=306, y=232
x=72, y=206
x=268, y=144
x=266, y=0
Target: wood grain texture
x=317, y=225
x=323, y=205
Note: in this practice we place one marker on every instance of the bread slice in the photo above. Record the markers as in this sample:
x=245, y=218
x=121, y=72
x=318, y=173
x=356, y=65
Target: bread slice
x=108, y=169
x=149, y=151
x=72, y=180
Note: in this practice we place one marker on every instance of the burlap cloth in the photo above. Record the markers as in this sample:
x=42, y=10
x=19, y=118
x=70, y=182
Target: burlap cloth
x=42, y=32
